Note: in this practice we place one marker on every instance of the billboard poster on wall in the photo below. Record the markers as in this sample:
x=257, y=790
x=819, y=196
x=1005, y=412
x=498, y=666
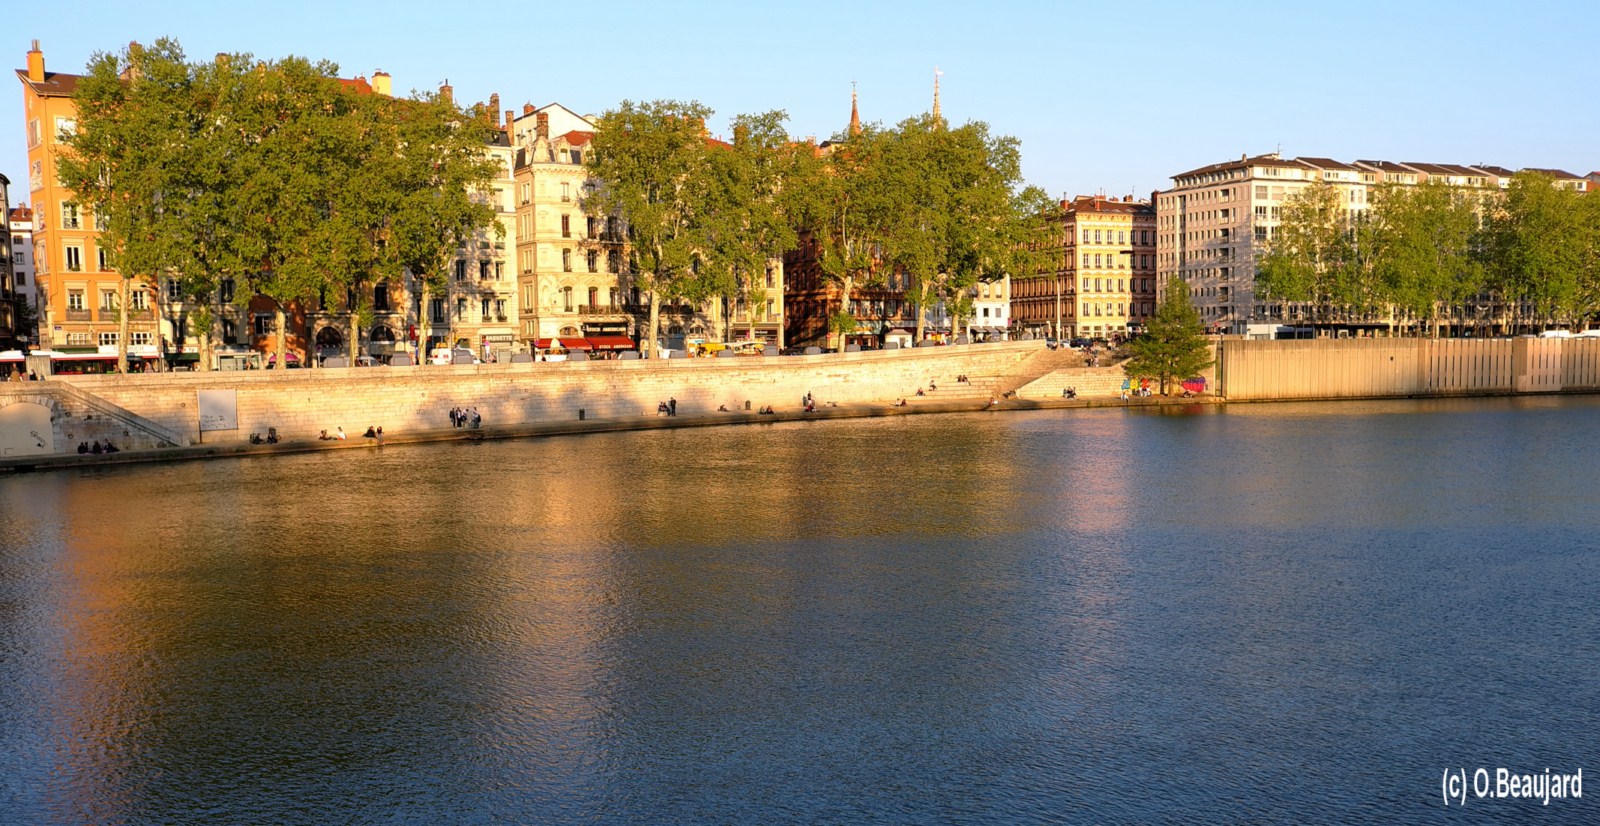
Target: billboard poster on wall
x=219, y=410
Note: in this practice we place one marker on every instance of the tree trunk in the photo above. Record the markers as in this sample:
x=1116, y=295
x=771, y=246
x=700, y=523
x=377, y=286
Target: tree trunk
x=207, y=340
x=354, y=344
x=648, y=346
x=281, y=335
x=124, y=287
x=844, y=306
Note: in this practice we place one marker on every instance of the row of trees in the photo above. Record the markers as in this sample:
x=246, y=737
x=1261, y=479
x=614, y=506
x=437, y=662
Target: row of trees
x=1529, y=253
x=942, y=207
x=272, y=174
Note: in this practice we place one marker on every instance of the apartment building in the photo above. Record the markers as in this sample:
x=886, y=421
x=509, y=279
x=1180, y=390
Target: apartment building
x=1214, y=224
x=11, y=335
x=1103, y=282
x=19, y=224
x=77, y=292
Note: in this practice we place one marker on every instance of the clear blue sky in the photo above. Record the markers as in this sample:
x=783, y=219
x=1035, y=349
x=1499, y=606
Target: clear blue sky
x=1104, y=97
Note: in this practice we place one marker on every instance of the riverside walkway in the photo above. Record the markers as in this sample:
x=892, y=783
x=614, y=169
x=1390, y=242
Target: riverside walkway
x=824, y=412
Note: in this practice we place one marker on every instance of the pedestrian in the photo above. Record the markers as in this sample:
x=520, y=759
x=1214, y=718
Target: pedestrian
x=477, y=420
x=672, y=406
x=380, y=434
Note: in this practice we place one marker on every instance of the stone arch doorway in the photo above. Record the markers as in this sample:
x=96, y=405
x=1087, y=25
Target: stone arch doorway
x=330, y=342
x=25, y=430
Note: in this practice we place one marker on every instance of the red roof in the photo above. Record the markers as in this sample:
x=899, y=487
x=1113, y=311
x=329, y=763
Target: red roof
x=577, y=137
x=55, y=84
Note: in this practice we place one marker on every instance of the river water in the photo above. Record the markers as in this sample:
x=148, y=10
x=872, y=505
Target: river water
x=1300, y=613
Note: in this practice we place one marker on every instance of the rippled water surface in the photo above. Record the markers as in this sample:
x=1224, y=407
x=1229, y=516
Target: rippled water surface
x=1278, y=612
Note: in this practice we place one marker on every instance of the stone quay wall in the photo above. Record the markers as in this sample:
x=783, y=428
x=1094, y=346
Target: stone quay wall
x=301, y=403
x=1405, y=367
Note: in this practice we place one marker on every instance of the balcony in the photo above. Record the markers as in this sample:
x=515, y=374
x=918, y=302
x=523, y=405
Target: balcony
x=606, y=309
x=79, y=315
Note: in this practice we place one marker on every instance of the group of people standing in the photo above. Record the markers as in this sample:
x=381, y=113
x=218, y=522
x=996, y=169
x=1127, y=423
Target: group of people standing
x=465, y=417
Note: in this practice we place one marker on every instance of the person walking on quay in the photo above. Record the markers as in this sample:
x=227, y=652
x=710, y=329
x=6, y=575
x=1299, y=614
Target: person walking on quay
x=672, y=406
x=477, y=420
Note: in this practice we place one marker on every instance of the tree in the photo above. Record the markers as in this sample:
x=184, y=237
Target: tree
x=650, y=163
x=847, y=218
x=1174, y=346
x=1540, y=248
x=1423, y=244
x=754, y=203
x=432, y=184
x=1311, y=258
x=128, y=162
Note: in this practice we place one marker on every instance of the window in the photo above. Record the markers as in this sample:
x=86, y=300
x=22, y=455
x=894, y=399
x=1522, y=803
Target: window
x=1097, y=236
x=1085, y=236
x=483, y=270
x=485, y=308
x=173, y=293
x=436, y=311
x=139, y=300
x=499, y=270
x=108, y=339
x=566, y=225
x=230, y=332
x=1086, y=260
x=139, y=339
x=225, y=292
x=77, y=339
x=70, y=218
x=771, y=278
x=65, y=126
x=592, y=227
x=461, y=270
x=75, y=300
x=594, y=296
x=566, y=192
x=613, y=261
x=566, y=298
x=500, y=308
x=594, y=261
x=380, y=298
x=1122, y=236
x=1261, y=193
x=771, y=309
x=566, y=260
x=100, y=259
x=461, y=309
x=262, y=324
x=74, y=258
x=108, y=300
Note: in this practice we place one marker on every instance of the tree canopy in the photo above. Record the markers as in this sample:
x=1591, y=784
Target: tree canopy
x=273, y=173
x=1174, y=346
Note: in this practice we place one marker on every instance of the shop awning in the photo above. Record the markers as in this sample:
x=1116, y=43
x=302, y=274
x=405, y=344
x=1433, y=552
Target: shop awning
x=576, y=344
x=610, y=342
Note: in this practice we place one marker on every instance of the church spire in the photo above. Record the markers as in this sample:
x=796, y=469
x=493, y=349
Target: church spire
x=855, y=115
x=936, y=74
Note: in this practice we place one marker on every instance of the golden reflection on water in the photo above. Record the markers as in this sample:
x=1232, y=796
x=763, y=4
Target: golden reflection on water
x=548, y=613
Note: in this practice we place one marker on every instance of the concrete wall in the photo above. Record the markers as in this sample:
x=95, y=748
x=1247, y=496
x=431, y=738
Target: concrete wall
x=40, y=418
x=1355, y=368
x=300, y=403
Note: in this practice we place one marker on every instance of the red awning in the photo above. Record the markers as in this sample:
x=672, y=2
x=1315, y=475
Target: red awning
x=576, y=344
x=611, y=342
x=544, y=343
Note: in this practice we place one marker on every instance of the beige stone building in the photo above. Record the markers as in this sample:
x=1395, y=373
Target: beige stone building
x=1103, y=284
x=570, y=266
x=1213, y=225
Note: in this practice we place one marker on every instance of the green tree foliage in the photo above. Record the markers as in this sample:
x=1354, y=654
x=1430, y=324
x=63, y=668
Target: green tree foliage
x=1312, y=258
x=651, y=164
x=1541, y=248
x=754, y=204
x=1174, y=346
x=274, y=174
x=1423, y=242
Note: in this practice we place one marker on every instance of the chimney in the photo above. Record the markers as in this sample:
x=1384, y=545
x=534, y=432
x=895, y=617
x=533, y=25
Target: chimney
x=494, y=104
x=447, y=92
x=36, y=63
x=541, y=127
x=510, y=116
x=381, y=83
x=135, y=51
x=527, y=109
